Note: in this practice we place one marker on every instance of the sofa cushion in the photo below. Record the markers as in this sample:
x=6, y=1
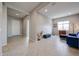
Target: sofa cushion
x=71, y=34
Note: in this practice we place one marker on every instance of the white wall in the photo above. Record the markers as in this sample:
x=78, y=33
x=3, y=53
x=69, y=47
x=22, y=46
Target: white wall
x=74, y=19
x=39, y=23
x=26, y=25
x=14, y=26
x=26, y=29
x=4, y=25
x=0, y=28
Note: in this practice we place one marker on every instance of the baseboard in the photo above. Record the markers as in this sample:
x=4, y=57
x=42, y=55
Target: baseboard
x=15, y=35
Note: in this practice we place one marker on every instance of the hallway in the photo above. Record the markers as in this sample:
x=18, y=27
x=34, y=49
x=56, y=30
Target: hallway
x=17, y=46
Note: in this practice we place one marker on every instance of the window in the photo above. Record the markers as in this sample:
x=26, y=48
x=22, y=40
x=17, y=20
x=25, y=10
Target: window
x=63, y=25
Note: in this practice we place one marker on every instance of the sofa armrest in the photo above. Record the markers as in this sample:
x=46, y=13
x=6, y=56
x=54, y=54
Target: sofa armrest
x=73, y=41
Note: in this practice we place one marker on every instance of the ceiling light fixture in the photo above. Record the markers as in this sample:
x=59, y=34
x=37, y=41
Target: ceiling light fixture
x=46, y=10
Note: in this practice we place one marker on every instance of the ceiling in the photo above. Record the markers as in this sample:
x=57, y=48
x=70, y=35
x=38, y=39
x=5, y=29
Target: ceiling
x=51, y=9
x=20, y=8
x=60, y=9
x=15, y=13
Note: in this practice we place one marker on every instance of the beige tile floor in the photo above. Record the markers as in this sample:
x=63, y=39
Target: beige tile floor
x=17, y=46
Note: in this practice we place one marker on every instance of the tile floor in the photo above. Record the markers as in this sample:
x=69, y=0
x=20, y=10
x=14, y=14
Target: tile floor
x=54, y=46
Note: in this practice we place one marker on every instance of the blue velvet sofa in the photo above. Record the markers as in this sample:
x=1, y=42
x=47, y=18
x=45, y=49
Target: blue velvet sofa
x=73, y=40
